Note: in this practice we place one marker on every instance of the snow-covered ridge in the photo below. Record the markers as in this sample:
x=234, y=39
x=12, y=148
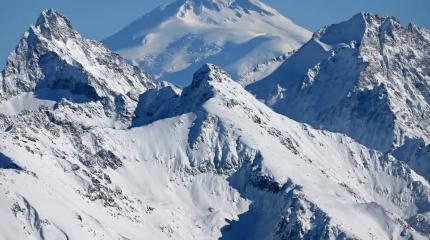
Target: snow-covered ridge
x=174, y=40
x=366, y=77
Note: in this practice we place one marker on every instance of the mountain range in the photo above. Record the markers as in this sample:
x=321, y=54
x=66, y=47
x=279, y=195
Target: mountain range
x=326, y=138
x=371, y=83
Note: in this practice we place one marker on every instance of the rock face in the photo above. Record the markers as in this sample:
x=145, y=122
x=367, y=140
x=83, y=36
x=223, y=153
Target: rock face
x=136, y=158
x=367, y=77
x=241, y=36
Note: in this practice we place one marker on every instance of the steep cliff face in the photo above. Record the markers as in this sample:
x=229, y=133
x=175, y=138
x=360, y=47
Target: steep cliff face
x=366, y=77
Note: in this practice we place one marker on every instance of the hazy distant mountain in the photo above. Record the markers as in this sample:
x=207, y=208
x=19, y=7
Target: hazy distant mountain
x=174, y=40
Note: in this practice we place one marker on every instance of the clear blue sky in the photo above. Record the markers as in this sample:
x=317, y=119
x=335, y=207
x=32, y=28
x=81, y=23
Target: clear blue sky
x=98, y=19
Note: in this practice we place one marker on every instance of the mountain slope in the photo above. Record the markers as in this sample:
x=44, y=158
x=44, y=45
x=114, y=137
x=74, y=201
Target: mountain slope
x=173, y=41
x=367, y=77
x=208, y=163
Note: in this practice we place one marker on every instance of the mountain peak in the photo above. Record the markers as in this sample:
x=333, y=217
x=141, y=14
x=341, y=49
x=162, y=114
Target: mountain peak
x=237, y=35
x=51, y=16
x=53, y=23
x=53, y=56
x=217, y=2
x=375, y=21
x=237, y=5
x=354, y=29
x=214, y=3
x=208, y=73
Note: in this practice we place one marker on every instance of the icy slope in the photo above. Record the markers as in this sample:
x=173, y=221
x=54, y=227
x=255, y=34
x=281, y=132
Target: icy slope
x=207, y=162
x=367, y=77
x=52, y=61
x=173, y=41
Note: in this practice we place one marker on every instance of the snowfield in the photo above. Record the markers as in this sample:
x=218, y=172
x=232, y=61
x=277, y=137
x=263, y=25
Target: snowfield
x=92, y=148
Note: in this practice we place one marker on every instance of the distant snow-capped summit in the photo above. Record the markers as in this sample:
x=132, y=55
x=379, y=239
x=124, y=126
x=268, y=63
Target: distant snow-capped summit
x=219, y=5
x=174, y=40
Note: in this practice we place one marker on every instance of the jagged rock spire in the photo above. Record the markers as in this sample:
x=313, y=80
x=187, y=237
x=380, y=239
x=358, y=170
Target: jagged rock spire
x=53, y=24
x=207, y=73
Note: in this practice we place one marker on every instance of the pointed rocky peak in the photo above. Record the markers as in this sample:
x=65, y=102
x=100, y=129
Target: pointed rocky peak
x=53, y=56
x=53, y=19
x=210, y=83
x=355, y=28
x=390, y=24
x=53, y=24
x=209, y=74
x=378, y=20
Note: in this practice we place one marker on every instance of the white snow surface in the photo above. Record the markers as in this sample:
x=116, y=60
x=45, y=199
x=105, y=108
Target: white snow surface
x=24, y=102
x=208, y=161
x=174, y=40
x=211, y=162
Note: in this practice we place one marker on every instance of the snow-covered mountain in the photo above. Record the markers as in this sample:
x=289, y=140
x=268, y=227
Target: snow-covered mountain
x=174, y=40
x=52, y=61
x=208, y=161
x=368, y=77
